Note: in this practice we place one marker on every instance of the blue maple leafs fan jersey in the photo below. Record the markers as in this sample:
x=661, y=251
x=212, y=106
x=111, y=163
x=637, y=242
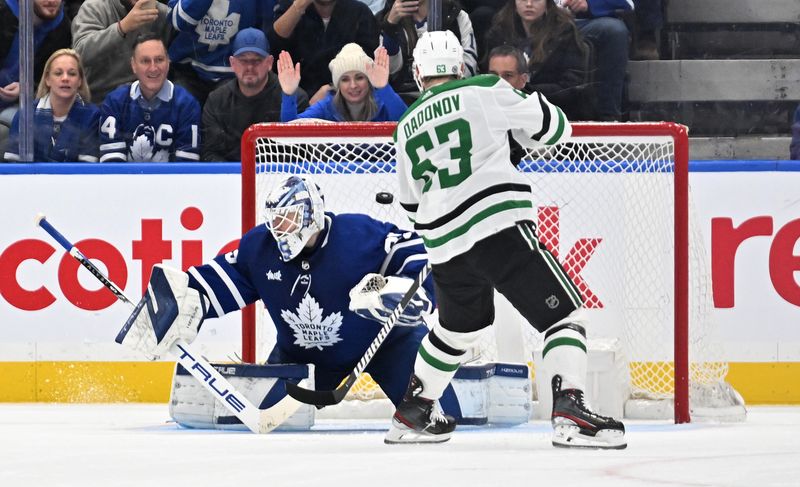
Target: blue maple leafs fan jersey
x=308, y=299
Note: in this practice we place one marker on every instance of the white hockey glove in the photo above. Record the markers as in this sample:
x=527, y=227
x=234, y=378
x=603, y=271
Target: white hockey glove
x=169, y=310
x=376, y=297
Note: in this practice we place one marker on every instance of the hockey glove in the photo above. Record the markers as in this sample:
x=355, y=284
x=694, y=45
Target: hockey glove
x=376, y=297
x=170, y=310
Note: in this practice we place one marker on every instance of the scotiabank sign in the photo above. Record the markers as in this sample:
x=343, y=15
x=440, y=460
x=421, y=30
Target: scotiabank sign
x=782, y=262
x=128, y=223
x=152, y=247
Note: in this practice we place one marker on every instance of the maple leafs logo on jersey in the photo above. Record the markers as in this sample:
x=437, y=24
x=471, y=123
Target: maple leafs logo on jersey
x=311, y=328
x=143, y=146
x=217, y=27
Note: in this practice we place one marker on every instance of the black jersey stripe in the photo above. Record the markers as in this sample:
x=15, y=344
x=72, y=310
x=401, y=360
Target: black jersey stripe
x=409, y=207
x=545, y=119
x=469, y=202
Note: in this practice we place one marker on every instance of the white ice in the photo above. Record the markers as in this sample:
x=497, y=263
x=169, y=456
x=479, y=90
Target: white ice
x=136, y=445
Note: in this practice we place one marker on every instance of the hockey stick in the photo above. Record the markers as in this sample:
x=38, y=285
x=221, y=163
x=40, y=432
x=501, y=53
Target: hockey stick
x=327, y=398
x=258, y=420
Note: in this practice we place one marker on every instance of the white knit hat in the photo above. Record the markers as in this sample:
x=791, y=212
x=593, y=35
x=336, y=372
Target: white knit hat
x=351, y=58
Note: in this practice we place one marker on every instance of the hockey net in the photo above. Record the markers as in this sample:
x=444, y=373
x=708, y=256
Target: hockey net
x=613, y=207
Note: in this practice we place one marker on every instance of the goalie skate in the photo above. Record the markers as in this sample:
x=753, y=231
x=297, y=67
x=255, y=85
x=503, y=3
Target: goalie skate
x=419, y=420
x=576, y=426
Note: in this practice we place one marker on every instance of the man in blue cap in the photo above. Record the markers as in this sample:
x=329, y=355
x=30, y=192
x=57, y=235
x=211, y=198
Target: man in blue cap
x=204, y=32
x=253, y=96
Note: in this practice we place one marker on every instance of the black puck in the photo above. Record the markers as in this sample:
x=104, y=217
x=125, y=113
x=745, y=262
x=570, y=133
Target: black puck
x=384, y=198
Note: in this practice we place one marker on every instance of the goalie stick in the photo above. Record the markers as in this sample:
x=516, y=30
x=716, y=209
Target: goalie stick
x=328, y=398
x=257, y=420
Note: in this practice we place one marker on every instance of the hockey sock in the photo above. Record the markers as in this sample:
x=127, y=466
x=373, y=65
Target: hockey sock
x=439, y=356
x=565, y=354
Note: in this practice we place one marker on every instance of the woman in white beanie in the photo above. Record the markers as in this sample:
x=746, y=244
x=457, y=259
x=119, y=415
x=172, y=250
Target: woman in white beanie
x=361, y=93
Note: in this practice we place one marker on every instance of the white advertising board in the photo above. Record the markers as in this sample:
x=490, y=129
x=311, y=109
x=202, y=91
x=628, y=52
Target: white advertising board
x=52, y=310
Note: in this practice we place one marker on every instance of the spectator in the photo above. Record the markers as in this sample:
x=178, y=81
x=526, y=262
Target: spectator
x=610, y=39
x=253, y=97
x=649, y=20
x=201, y=50
x=51, y=32
x=314, y=31
x=509, y=63
x=794, y=147
x=557, y=56
x=403, y=21
x=362, y=92
x=64, y=122
x=150, y=120
x=105, y=28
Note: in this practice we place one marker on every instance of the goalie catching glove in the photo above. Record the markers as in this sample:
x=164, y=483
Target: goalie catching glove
x=376, y=297
x=170, y=310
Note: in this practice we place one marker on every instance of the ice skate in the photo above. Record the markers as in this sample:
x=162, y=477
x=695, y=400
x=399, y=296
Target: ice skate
x=576, y=426
x=419, y=420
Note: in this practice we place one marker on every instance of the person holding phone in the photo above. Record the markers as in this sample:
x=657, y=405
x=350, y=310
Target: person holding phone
x=402, y=22
x=104, y=32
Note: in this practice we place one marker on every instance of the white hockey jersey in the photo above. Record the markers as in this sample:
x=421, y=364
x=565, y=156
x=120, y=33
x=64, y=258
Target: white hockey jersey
x=457, y=183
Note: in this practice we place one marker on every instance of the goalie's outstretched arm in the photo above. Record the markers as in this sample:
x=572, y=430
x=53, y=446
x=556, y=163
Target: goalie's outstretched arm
x=151, y=329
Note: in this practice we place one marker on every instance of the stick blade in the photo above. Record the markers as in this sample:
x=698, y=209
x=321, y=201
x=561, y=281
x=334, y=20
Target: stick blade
x=316, y=398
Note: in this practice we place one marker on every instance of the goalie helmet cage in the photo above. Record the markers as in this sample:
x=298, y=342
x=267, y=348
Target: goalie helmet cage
x=632, y=176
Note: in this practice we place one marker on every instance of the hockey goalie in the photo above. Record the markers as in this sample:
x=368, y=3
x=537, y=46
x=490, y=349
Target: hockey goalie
x=328, y=281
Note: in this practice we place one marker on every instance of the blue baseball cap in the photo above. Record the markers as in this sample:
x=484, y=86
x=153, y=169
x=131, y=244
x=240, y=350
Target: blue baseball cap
x=251, y=40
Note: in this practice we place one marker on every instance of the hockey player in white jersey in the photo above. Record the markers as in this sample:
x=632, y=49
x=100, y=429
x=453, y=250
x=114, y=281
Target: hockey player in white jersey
x=475, y=214
x=306, y=265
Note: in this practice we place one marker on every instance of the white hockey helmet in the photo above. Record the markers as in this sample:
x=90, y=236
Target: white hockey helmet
x=437, y=53
x=293, y=213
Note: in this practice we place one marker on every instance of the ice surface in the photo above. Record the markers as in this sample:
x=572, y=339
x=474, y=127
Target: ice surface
x=135, y=445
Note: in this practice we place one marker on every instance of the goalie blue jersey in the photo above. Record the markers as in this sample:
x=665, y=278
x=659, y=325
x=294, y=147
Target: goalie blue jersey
x=308, y=297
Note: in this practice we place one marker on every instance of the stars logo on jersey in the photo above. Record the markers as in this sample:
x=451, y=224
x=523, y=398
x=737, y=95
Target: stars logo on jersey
x=312, y=329
x=217, y=27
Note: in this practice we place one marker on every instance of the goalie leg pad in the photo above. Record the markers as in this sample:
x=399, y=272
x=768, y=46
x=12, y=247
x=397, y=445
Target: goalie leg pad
x=492, y=393
x=192, y=406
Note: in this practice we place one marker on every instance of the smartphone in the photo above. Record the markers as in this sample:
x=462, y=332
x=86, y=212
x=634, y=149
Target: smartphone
x=148, y=4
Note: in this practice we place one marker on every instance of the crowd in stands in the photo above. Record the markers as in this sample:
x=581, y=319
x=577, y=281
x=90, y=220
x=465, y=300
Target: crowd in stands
x=180, y=80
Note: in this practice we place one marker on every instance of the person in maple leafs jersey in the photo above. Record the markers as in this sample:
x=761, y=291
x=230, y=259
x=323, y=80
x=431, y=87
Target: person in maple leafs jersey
x=303, y=265
x=151, y=119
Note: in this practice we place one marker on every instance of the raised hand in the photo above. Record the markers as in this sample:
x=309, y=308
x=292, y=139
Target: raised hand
x=378, y=71
x=288, y=73
x=400, y=9
x=141, y=14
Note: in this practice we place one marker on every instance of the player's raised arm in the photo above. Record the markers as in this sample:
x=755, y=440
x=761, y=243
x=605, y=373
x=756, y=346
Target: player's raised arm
x=532, y=119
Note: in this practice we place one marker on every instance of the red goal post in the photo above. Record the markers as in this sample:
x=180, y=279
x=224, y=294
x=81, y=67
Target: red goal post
x=614, y=147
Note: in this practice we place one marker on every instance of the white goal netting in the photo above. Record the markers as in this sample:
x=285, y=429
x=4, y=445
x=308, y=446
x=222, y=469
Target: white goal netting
x=606, y=205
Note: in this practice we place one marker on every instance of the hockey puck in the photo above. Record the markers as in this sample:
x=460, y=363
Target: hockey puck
x=384, y=198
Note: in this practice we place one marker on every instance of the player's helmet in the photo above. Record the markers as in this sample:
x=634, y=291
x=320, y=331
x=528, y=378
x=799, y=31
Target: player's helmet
x=293, y=213
x=437, y=53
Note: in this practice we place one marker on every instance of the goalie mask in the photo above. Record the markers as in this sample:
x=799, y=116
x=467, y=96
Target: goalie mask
x=437, y=53
x=293, y=213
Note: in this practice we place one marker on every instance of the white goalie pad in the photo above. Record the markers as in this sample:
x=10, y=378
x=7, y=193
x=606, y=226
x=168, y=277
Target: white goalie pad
x=192, y=406
x=498, y=394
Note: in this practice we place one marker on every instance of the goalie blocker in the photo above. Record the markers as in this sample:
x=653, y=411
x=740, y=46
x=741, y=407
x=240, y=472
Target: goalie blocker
x=493, y=394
